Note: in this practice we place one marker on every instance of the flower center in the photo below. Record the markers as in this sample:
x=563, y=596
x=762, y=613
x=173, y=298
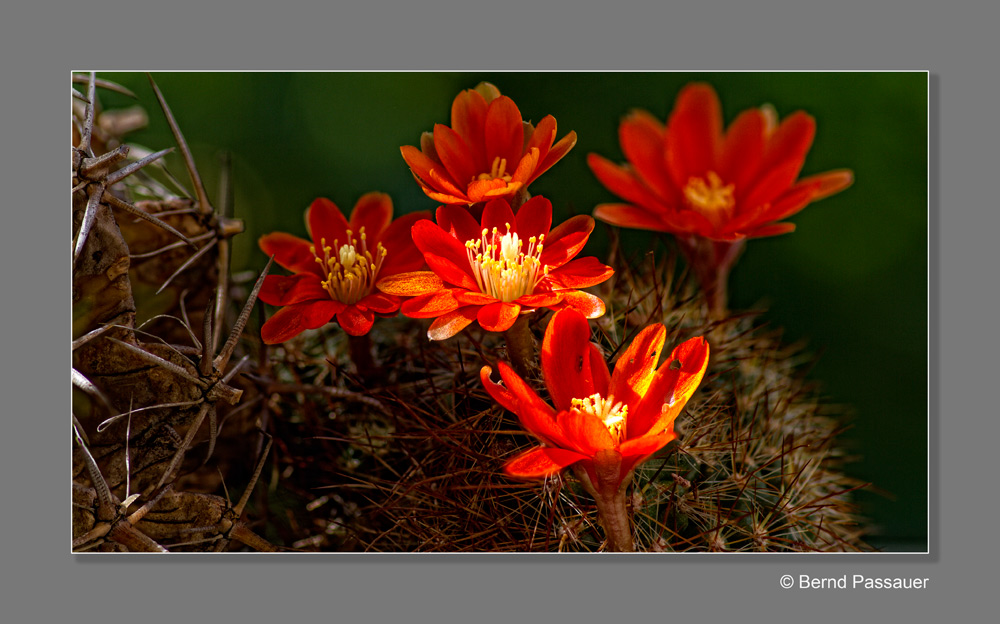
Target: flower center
x=351, y=269
x=497, y=171
x=502, y=270
x=612, y=414
x=710, y=197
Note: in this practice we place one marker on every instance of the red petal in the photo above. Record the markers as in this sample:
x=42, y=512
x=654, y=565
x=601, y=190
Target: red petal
x=641, y=136
x=290, y=252
x=541, y=462
x=555, y=154
x=282, y=290
x=669, y=390
x=380, y=303
x=457, y=221
x=373, y=212
x=459, y=275
x=449, y=324
x=402, y=254
x=497, y=214
x=536, y=416
x=693, y=133
x=743, y=148
x=292, y=320
x=474, y=297
x=529, y=403
x=432, y=174
x=830, y=182
x=454, y=154
x=534, y=218
x=498, y=316
x=506, y=191
x=790, y=202
x=468, y=118
x=500, y=394
x=581, y=273
x=504, y=132
x=326, y=223
x=566, y=358
x=790, y=143
x=773, y=229
x=566, y=240
x=484, y=190
x=586, y=433
x=599, y=371
x=635, y=366
x=591, y=306
x=542, y=137
x=431, y=239
x=410, y=284
x=355, y=321
x=525, y=167
x=629, y=216
x=775, y=182
x=540, y=300
x=635, y=451
x=626, y=183
x=430, y=305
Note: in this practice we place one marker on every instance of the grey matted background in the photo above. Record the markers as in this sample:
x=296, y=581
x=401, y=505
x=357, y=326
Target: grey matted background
x=44, y=582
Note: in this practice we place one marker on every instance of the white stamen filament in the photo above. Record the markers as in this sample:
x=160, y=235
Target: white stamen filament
x=501, y=269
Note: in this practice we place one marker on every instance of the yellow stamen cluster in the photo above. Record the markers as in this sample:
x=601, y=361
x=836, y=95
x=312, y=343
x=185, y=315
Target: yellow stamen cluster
x=612, y=414
x=502, y=270
x=351, y=269
x=497, y=171
x=710, y=198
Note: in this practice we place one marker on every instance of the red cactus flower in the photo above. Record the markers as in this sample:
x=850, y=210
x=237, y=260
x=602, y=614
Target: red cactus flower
x=691, y=178
x=488, y=152
x=335, y=275
x=608, y=422
x=494, y=270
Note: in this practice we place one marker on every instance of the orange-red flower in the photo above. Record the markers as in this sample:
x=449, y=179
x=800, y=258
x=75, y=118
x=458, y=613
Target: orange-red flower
x=691, y=178
x=494, y=270
x=609, y=422
x=488, y=152
x=335, y=274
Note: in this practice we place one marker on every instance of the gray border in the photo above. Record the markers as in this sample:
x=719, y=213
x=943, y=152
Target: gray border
x=52, y=585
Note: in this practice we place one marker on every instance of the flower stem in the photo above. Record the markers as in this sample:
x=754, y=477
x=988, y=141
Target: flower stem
x=711, y=262
x=521, y=346
x=614, y=520
x=609, y=494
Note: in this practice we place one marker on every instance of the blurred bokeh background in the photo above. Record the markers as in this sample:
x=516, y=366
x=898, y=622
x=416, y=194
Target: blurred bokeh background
x=851, y=281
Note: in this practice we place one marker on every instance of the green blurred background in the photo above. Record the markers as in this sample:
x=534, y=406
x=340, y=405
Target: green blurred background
x=851, y=281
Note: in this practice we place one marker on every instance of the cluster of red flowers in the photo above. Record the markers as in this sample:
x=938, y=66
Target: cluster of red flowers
x=492, y=255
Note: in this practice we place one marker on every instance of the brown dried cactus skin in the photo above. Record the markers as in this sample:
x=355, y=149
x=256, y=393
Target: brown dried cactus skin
x=149, y=272
x=102, y=291
x=156, y=385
